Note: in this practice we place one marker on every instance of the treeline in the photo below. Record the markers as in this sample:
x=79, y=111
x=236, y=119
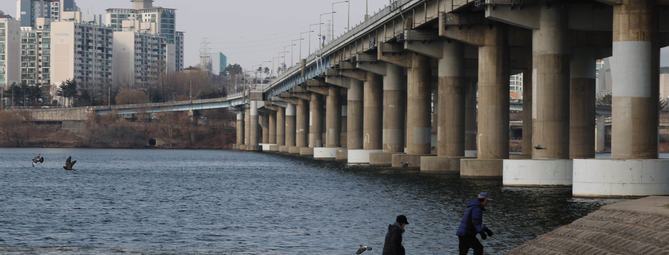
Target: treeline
x=214, y=129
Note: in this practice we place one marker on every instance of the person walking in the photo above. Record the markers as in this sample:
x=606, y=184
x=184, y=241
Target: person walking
x=393, y=243
x=472, y=224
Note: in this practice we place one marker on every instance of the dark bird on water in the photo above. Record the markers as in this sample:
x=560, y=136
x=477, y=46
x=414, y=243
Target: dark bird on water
x=69, y=163
x=539, y=147
x=38, y=159
x=362, y=249
x=405, y=165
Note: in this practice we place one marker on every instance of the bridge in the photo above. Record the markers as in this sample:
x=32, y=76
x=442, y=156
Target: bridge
x=405, y=85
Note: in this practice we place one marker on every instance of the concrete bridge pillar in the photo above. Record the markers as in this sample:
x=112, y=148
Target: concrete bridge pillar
x=583, y=103
x=527, y=113
x=493, y=106
x=316, y=121
x=355, y=115
x=291, y=123
x=550, y=60
x=253, y=126
x=272, y=128
x=265, y=128
x=470, y=117
x=419, y=89
x=302, y=124
x=636, y=89
x=452, y=88
x=247, y=124
x=451, y=108
x=373, y=112
x=240, y=129
x=281, y=126
x=634, y=169
x=394, y=109
x=600, y=132
x=333, y=118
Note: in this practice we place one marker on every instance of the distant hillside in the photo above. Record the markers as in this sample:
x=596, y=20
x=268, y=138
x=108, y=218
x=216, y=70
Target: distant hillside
x=664, y=69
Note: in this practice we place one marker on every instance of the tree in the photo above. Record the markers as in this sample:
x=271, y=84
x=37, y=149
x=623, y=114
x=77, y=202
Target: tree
x=13, y=128
x=68, y=89
x=266, y=70
x=233, y=69
x=132, y=96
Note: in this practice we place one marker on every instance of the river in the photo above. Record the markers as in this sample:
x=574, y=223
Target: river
x=229, y=202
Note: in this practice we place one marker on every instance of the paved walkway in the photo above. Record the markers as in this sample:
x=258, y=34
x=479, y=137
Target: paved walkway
x=632, y=227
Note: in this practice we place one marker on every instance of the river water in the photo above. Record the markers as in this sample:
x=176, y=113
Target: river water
x=230, y=202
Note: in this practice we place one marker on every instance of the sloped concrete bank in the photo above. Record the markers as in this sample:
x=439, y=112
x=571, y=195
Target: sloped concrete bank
x=632, y=227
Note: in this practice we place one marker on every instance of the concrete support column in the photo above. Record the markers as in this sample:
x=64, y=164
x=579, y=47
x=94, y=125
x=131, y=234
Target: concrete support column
x=253, y=123
x=272, y=128
x=583, y=104
x=636, y=55
x=550, y=60
x=301, y=126
x=527, y=112
x=333, y=117
x=316, y=121
x=419, y=86
x=240, y=128
x=600, y=146
x=281, y=126
x=493, y=102
x=373, y=112
x=470, y=115
x=355, y=115
x=344, y=122
x=434, y=127
x=452, y=88
x=265, y=128
x=291, y=124
x=247, y=124
x=394, y=108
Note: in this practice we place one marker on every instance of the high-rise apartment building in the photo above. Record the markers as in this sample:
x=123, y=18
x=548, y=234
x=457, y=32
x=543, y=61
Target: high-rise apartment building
x=36, y=54
x=146, y=18
x=10, y=45
x=82, y=52
x=138, y=58
x=28, y=11
x=516, y=86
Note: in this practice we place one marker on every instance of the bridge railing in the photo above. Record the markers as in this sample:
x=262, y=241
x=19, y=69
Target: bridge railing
x=336, y=43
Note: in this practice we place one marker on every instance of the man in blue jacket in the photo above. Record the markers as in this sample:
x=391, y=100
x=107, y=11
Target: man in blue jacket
x=472, y=224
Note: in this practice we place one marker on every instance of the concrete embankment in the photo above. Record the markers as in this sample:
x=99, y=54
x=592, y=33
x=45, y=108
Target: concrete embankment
x=632, y=227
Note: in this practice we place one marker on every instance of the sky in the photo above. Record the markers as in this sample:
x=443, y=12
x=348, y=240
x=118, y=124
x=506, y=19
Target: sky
x=247, y=32
x=250, y=33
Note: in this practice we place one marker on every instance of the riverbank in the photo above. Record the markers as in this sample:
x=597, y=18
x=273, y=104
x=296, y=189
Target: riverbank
x=632, y=227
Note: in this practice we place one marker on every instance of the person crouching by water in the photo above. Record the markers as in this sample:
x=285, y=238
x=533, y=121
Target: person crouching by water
x=393, y=243
x=472, y=224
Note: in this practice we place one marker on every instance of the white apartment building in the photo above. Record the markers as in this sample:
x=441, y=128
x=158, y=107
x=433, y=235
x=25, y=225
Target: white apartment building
x=516, y=86
x=28, y=11
x=10, y=47
x=138, y=58
x=146, y=18
x=36, y=54
x=82, y=52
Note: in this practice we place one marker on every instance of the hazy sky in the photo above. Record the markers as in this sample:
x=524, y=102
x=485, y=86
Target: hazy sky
x=248, y=32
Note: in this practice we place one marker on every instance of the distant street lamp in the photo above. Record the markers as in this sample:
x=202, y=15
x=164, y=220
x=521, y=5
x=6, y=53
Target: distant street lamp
x=309, y=32
x=292, y=53
x=320, y=34
x=310, y=35
x=333, y=12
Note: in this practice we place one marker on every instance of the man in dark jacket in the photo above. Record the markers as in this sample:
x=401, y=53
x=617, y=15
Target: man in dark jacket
x=472, y=224
x=393, y=243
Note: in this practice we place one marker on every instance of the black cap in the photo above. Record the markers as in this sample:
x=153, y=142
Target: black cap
x=402, y=219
